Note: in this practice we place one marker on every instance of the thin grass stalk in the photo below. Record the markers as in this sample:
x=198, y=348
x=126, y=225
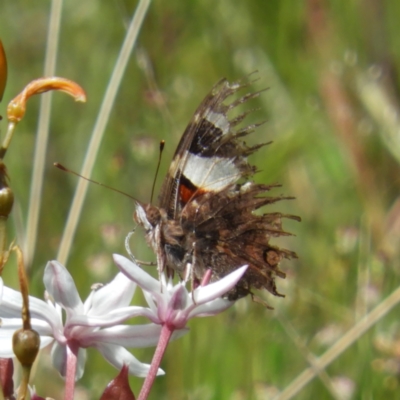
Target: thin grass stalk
x=340, y=346
x=308, y=356
x=42, y=135
x=99, y=128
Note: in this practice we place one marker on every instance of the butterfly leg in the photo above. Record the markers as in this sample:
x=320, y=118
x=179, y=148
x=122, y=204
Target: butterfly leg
x=132, y=257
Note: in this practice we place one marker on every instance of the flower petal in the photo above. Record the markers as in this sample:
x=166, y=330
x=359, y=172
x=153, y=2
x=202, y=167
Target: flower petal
x=61, y=287
x=118, y=293
x=204, y=294
x=59, y=357
x=6, y=349
x=7, y=328
x=59, y=360
x=128, y=335
x=110, y=319
x=136, y=274
x=118, y=356
x=11, y=306
x=136, y=336
x=211, y=308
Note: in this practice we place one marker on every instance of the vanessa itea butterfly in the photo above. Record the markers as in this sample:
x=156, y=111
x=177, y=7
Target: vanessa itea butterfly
x=205, y=218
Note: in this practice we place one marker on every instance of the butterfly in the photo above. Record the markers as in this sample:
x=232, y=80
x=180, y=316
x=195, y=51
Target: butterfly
x=205, y=219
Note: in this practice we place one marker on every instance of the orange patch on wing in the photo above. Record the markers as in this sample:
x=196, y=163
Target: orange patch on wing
x=186, y=193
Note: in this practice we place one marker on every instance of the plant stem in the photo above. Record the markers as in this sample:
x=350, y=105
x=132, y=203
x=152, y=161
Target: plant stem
x=72, y=358
x=165, y=336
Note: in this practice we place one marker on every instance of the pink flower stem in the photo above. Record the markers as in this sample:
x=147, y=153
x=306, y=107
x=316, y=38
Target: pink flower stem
x=72, y=358
x=165, y=336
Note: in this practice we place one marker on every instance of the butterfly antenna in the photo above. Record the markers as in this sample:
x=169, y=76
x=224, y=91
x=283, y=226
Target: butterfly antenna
x=59, y=166
x=162, y=144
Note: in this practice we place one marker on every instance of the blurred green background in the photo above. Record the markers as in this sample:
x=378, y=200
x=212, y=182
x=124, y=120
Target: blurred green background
x=332, y=69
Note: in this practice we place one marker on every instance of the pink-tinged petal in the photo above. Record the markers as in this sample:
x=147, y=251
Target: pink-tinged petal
x=59, y=360
x=118, y=293
x=204, y=294
x=211, y=308
x=136, y=274
x=174, y=313
x=118, y=356
x=60, y=285
x=179, y=299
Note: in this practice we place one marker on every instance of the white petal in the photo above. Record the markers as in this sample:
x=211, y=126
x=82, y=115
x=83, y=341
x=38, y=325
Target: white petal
x=6, y=350
x=1, y=288
x=45, y=341
x=128, y=335
x=61, y=287
x=211, y=308
x=118, y=293
x=9, y=325
x=12, y=304
x=59, y=360
x=42, y=327
x=203, y=294
x=118, y=356
x=80, y=367
x=110, y=319
x=135, y=273
x=150, y=301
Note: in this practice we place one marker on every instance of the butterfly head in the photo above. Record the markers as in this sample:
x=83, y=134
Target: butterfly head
x=147, y=215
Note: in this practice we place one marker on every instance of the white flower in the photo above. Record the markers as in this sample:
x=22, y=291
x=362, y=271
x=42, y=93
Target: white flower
x=173, y=304
x=94, y=323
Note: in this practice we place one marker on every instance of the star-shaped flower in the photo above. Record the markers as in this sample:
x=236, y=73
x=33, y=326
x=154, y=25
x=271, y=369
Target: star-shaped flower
x=174, y=305
x=94, y=323
x=171, y=306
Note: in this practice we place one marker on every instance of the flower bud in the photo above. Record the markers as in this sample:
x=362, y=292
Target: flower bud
x=6, y=201
x=26, y=343
x=6, y=194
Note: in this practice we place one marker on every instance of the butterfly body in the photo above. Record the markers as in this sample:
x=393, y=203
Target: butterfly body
x=205, y=218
